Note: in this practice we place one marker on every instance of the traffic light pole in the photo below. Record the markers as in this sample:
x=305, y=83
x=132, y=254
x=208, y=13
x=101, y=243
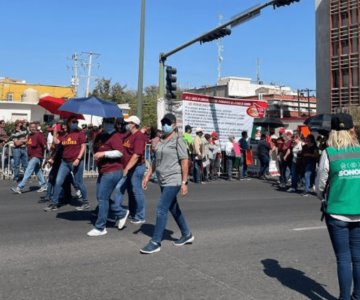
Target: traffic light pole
x=235, y=21
x=161, y=78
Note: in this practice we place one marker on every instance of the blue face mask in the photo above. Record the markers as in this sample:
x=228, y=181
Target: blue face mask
x=74, y=127
x=167, y=129
x=108, y=127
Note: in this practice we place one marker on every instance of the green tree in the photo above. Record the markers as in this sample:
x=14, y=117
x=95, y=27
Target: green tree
x=355, y=113
x=116, y=92
x=150, y=106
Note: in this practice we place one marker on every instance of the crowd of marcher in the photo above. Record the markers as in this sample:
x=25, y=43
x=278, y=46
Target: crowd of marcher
x=118, y=147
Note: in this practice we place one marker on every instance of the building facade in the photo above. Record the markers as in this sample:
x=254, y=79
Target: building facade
x=18, y=99
x=337, y=54
x=282, y=101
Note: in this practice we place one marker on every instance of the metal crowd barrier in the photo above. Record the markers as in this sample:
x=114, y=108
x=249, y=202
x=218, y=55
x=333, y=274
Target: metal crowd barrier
x=90, y=169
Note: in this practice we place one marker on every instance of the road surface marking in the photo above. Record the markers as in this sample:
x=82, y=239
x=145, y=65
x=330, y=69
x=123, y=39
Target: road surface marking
x=309, y=228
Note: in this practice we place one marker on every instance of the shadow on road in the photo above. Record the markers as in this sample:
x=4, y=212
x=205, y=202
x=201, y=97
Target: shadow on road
x=296, y=280
x=74, y=215
x=148, y=230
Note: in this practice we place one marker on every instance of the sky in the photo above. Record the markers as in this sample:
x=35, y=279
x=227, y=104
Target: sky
x=40, y=36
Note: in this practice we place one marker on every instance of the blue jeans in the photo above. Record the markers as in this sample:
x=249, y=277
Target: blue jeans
x=264, y=164
x=105, y=185
x=197, y=170
x=308, y=175
x=294, y=176
x=20, y=155
x=168, y=202
x=64, y=170
x=345, y=239
x=117, y=211
x=136, y=193
x=34, y=166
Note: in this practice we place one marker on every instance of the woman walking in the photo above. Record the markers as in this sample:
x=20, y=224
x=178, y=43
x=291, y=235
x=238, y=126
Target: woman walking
x=73, y=143
x=338, y=182
x=108, y=150
x=171, y=163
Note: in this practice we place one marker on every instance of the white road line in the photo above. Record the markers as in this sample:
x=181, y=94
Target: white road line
x=309, y=228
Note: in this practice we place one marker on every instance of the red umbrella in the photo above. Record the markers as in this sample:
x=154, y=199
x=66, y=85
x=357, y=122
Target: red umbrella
x=52, y=105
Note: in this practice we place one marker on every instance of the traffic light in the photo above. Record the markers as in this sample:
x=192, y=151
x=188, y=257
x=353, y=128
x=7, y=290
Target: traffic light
x=170, y=82
x=216, y=35
x=278, y=3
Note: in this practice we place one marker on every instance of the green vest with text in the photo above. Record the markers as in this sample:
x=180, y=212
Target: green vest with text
x=344, y=181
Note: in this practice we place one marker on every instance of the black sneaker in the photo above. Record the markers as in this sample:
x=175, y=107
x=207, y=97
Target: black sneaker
x=151, y=247
x=84, y=206
x=44, y=200
x=184, y=240
x=51, y=207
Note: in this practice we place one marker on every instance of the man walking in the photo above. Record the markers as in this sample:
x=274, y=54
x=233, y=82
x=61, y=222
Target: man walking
x=134, y=147
x=36, y=145
x=19, y=152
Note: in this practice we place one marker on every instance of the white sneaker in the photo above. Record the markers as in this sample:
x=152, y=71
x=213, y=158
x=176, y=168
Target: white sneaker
x=97, y=232
x=291, y=190
x=42, y=189
x=121, y=222
x=78, y=194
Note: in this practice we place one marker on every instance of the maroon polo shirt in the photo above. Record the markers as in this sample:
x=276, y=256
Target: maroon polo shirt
x=106, y=142
x=71, y=143
x=36, y=145
x=135, y=144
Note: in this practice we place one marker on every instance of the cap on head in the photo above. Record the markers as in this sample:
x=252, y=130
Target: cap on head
x=133, y=119
x=214, y=134
x=281, y=130
x=198, y=129
x=188, y=127
x=341, y=121
x=169, y=117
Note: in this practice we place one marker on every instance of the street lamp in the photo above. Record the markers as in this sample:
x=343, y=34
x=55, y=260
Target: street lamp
x=141, y=62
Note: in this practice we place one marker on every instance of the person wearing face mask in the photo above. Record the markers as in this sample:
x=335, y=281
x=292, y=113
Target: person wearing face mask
x=74, y=145
x=35, y=146
x=134, y=158
x=171, y=164
x=108, y=152
x=19, y=152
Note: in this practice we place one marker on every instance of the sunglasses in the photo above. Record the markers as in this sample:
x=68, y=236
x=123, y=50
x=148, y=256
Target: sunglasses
x=166, y=122
x=74, y=122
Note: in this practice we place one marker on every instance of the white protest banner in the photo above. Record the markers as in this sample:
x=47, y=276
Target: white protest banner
x=226, y=116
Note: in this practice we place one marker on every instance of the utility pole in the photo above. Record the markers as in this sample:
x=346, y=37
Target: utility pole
x=75, y=78
x=220, y=47
x=258, y=71
x=141, y=62
x=89, y=69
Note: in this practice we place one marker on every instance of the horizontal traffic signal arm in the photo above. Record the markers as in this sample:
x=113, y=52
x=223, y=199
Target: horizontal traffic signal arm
x=242, y=17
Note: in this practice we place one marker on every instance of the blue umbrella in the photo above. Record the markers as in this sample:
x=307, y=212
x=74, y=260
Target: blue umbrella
x=92, y=106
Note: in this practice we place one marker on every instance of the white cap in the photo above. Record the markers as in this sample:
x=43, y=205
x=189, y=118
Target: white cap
x=198, y=129
x=258, y=128
x=133, y=119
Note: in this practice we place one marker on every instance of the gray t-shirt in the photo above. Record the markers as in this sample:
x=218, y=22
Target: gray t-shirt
x=168, y=157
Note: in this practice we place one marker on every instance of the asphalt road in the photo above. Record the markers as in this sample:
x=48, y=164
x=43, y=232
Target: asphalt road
x=251, y=242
